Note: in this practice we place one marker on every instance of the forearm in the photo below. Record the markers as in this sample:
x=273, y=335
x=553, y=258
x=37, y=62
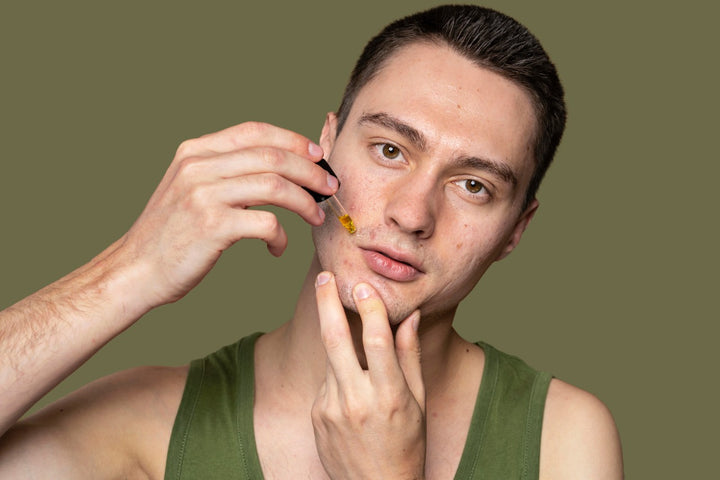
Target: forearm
x=46, y=336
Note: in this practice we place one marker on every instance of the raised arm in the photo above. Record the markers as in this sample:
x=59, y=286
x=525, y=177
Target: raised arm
x=198, y=210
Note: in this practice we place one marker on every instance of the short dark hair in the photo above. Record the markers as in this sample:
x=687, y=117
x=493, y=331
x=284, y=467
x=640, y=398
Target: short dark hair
x=491, y=40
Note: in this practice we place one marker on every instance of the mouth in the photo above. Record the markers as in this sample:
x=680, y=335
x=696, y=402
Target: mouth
x=393, y=265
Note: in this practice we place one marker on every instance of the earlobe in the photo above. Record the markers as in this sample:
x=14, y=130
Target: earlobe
x=329, y=131
x=520, y=227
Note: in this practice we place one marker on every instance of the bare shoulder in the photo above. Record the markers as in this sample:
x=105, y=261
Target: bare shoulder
x=117, y=426
x=579, y=438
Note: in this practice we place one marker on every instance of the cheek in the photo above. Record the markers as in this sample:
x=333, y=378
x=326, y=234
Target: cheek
x=473, y=248
x=325, y=238
x=359, y=195
x=360, y=184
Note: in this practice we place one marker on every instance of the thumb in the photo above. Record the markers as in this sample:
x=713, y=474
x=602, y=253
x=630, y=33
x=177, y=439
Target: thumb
x=407, y=347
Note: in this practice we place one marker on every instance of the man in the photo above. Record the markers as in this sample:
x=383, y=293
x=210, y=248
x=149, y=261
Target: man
x=448, y=123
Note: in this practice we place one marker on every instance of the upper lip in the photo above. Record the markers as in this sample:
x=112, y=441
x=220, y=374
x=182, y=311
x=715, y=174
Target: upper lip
x=398, y=255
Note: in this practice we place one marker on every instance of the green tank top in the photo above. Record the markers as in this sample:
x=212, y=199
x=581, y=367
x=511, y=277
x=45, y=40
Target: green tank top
x=213, y=436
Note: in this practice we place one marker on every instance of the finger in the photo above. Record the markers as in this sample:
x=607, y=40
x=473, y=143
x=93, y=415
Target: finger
x=407, y=346
x=251, y=134
x=335, y=331
x=331, y=384
x=378, y=341
x=270, y=189
x=260, y=224
x=251, y=161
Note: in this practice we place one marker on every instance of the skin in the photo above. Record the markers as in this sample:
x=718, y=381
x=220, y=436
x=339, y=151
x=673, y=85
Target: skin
x=430, y=215
x=383, y=387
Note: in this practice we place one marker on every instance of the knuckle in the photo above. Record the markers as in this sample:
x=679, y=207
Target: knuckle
x=353, y=412
x=316, y=413
x=377, y=341
x=393, y=402
x=331, y=415
x=189, y=166
x=332, y=338
x=273, y=183
x=254, y=128
x=268, y=222
x=272, y=158
x=186, y=147
x=198, y=194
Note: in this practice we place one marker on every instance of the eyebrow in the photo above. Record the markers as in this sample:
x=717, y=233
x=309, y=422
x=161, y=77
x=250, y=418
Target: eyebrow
x=499, y=169
x=388, y=121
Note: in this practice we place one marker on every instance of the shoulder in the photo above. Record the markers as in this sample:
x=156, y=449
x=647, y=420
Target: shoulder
x=117, y=425
x=579, y=437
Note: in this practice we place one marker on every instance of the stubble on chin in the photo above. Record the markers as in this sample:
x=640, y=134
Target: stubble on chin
x=397, y=309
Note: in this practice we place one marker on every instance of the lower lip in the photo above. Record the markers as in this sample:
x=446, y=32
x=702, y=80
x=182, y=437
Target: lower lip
x=389, y=268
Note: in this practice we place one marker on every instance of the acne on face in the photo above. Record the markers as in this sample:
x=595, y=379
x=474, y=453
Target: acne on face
x=421, y=87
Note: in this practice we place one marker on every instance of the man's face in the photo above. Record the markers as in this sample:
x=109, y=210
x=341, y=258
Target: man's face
x=434, y=160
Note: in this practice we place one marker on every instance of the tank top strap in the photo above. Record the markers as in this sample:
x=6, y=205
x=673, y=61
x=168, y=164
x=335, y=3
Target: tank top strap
x=504, y=436
x=213, y=434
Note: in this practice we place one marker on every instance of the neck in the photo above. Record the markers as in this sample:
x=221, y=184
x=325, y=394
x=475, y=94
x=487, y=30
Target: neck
x=295, y=355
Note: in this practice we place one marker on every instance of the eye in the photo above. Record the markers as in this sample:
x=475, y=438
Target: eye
x=389, y=151
x=473, y=186
x=474, y=189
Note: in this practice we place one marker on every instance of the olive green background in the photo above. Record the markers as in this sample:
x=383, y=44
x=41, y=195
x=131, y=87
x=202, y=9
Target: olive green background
x=613, y=288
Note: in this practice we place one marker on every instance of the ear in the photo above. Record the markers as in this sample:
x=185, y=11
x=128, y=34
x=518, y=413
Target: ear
x=520, y=227
x=329, y=131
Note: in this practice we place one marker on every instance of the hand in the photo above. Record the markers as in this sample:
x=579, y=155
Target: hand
x=201, y=206
x=369, y=424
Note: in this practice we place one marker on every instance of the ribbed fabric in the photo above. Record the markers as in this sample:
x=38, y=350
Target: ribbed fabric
x=213, y=436
x=504, y=437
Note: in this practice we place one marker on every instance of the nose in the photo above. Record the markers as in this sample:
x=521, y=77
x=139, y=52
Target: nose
x=412, y=204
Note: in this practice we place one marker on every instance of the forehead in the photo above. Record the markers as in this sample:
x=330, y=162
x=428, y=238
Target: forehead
x=461, y=108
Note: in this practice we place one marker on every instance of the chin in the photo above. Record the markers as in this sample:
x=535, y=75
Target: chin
x=398, y=309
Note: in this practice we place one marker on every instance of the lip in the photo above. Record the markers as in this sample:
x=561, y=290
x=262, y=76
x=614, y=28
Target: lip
x=392, y=264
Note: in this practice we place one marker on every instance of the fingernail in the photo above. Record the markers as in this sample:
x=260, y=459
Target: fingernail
x=332, y=182
x=362, y=291
x=415, y=320
x=322, y=279
x=315, y=150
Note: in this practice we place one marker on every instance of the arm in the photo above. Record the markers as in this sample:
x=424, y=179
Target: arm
x=579, y=438
x=46, y=336
x=198, y=210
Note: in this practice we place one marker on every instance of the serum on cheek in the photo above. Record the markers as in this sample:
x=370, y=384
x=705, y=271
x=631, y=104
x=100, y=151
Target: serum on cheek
x=333, y=202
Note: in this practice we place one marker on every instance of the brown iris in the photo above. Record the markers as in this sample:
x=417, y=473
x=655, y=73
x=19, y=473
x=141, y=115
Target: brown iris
x=390, y=151
x=473, y=186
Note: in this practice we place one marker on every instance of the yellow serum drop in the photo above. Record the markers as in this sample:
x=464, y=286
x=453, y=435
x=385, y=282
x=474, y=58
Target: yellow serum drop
x=332, y=201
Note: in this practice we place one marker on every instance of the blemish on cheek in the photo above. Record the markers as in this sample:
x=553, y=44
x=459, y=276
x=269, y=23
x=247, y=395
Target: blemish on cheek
x=459, y=245
x=372, y=235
